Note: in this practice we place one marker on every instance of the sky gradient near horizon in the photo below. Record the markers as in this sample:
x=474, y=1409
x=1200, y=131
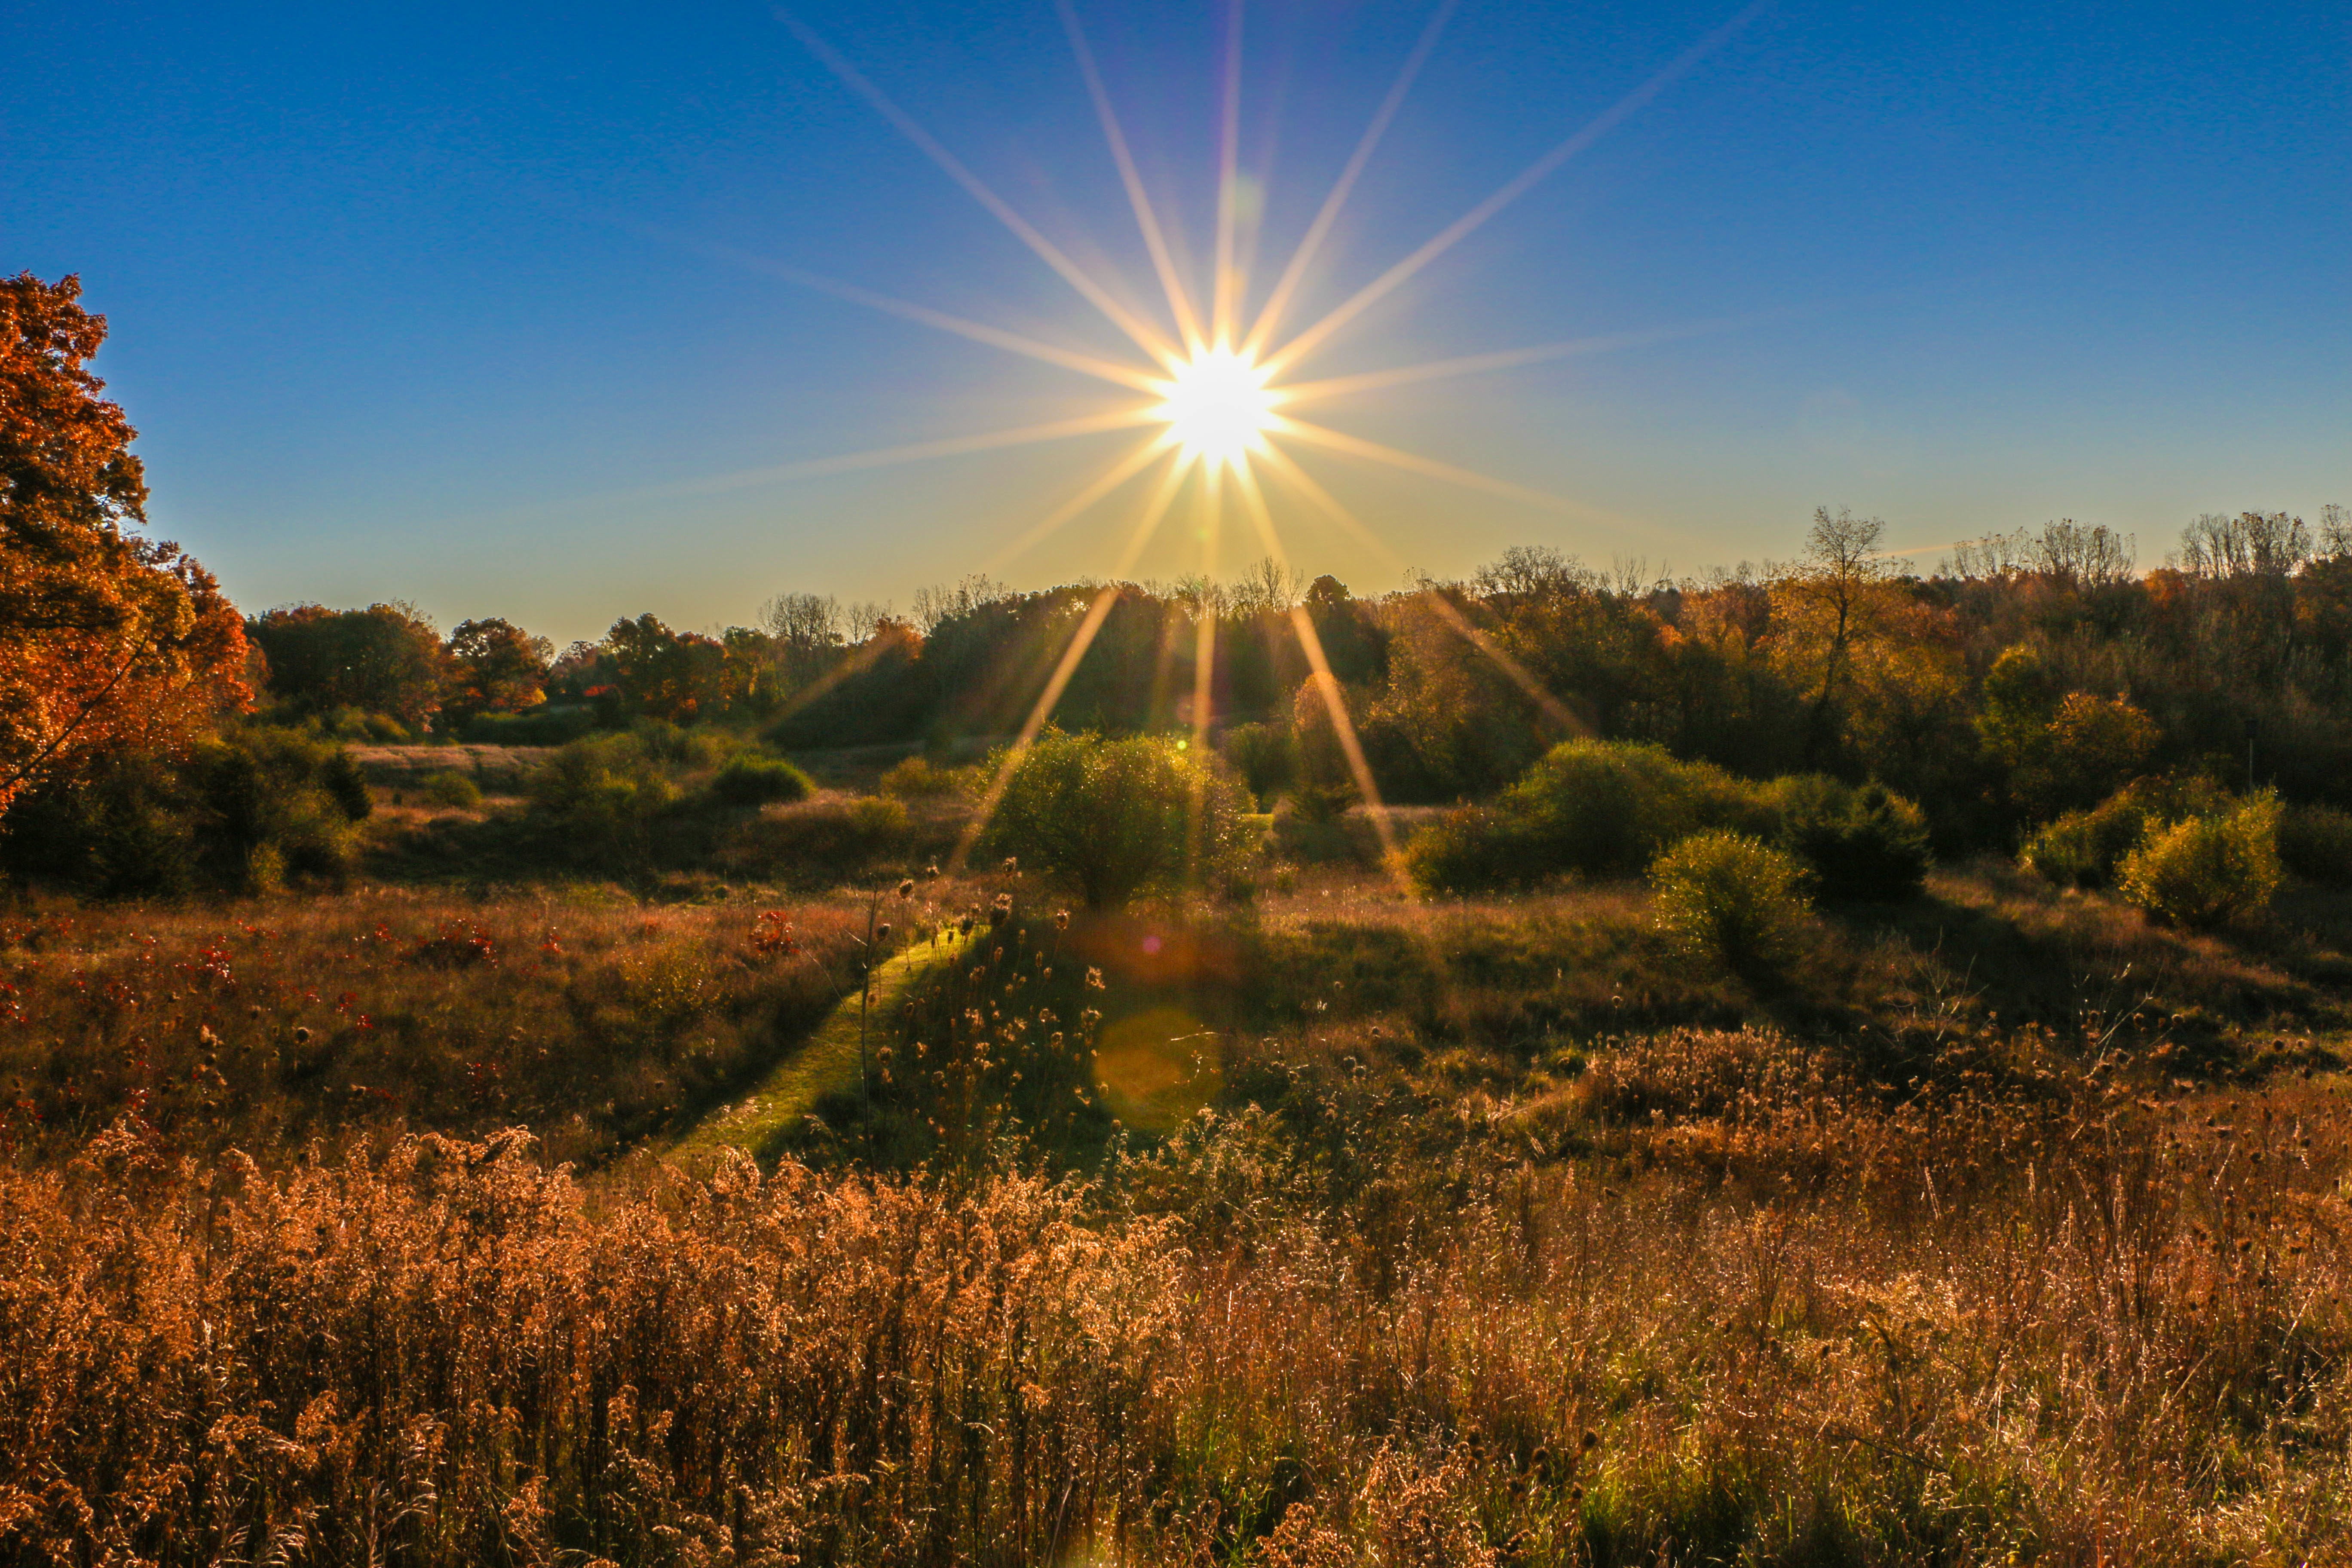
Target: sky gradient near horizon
x=487, y=310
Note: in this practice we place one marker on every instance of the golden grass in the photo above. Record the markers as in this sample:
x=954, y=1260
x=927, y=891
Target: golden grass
x=1485, y=1256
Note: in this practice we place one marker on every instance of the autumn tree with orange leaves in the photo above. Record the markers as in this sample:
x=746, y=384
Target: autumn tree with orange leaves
x=108, y=640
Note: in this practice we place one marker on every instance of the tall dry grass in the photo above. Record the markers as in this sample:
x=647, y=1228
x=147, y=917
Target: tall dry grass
x=271, y=1024
x=1724, y=1299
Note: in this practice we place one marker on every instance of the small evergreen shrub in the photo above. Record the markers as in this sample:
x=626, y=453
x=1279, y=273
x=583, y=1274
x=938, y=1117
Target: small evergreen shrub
x=2315, y=842
x=1866, y=843
x=750, y=779
x=1731, y=896
x=450, y=788
x=2206, y=872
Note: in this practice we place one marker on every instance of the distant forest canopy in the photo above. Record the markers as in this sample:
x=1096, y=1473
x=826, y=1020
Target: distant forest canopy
x=2029, y=674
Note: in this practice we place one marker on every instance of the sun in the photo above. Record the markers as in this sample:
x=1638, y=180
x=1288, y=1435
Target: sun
x=1227, y=397
x=1218, y=406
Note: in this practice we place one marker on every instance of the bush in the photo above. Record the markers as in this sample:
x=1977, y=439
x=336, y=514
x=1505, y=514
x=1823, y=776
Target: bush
x=1265, y=756
x=2208, y=871
x=2315, y=842
x=450, y=788
x=1594, y=808
x=241, y=812
x=602, y=793
x=683, y=746
x=553, y=724
x=918, y=776
x=1110, y=818
x=1732, y=896
x=1866, y=843
x=2087, y=848
x=750, y=779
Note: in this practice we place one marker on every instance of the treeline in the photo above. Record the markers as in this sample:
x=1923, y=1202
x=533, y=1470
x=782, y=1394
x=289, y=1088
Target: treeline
x=2026, y=676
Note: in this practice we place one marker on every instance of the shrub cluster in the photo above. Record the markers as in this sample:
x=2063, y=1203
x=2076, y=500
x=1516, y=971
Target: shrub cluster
x=2188, y=852
x=1597, y=809
x=2206, y=872
x=2087, y=848
x=246, y=812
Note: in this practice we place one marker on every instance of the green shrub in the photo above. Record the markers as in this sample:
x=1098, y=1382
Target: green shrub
x=450, y=788
x=914, y=777
x=602, y=793
x=1594, y=808
x=2315, y=842
x=1265, y=757
x=1109, y=818
x=2087, y=848
x=241, y=812
x=2208, y=871
x=1866, y=843
x=750, y=779
x=1732, y=896
x=552, y=724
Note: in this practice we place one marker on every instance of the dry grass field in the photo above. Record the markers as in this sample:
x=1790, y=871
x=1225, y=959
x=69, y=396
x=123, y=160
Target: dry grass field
x=1330, y=1229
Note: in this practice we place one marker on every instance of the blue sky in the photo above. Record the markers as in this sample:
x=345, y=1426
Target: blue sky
x=464, y=305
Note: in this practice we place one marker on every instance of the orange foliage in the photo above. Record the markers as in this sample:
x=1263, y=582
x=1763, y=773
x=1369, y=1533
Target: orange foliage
x=106, y=640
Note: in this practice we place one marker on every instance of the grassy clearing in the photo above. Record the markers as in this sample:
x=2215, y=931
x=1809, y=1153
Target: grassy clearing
x=1999, y=1226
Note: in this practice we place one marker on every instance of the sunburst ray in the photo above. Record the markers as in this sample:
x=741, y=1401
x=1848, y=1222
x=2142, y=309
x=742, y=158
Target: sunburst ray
x=1155, y=240
x=1300, y=391
x=1270, y=316
x=1162, y=496
x=1144, y=337
x=1327, y=684
x=1225, y=284
x=1094, y=491
x=1519, y=674
x=1102, y=369
x=1307, y=341
x=1430, y=468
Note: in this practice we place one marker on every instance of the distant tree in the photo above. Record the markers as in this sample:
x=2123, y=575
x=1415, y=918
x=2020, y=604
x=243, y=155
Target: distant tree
x=2251, y=544
x=108, y=641
x=493, y=667
x=386, y=658
x=679, y=675
x=1835, y=594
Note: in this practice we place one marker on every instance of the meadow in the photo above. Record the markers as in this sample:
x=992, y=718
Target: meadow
x=1329, y=1225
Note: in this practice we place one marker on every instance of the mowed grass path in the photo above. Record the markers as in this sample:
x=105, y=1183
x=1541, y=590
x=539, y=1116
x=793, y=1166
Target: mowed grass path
x=826, y=1063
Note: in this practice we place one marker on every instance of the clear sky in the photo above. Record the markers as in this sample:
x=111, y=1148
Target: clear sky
x=480, y=306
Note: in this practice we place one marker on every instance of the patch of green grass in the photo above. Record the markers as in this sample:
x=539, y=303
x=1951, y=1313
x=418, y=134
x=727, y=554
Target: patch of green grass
x=829, y=1062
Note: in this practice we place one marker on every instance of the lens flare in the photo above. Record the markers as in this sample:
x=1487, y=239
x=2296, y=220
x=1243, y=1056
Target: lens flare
x=1218, y=406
